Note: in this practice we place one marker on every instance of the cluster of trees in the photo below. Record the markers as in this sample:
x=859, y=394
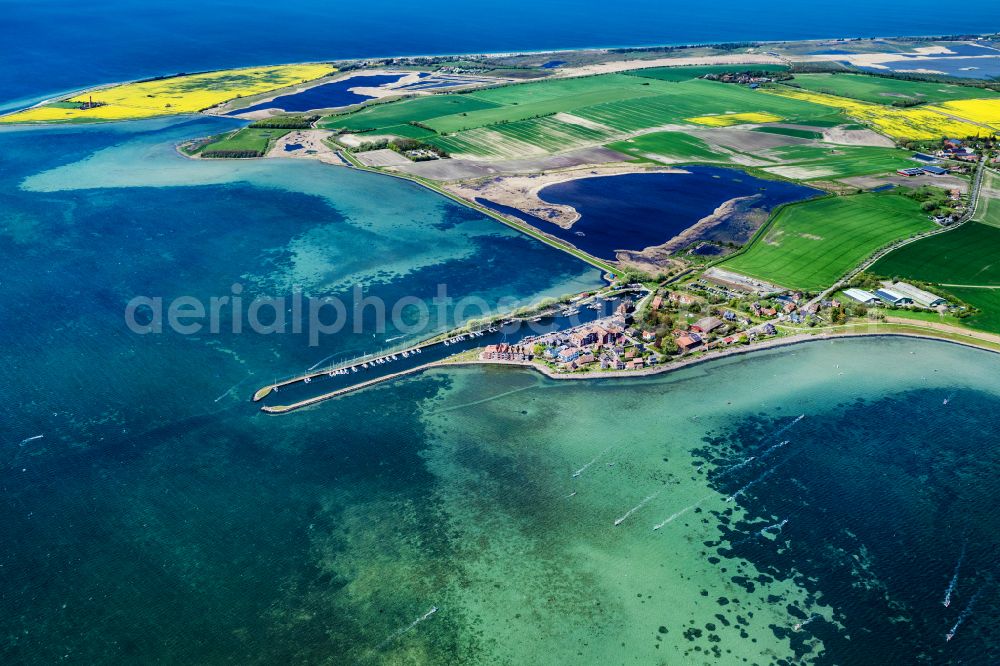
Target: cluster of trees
x=401, y=146
x=933, y=200
x=233, y=153
x=285, y=122
x=741, y=76
x=724, y=46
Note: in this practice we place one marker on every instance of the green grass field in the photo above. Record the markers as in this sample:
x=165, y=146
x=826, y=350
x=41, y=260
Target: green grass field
x=989, y=202
x=521, y=139
x=811, y=245
x=388, y=114
x=246, y=139
x=678, y=74
x=968, y=255
x=987, y=301
x=669, y=145
x=884, y=90
x=791, y=131
x=521, y=120
x=531, y=100
x=831, y=162
x=688, y=99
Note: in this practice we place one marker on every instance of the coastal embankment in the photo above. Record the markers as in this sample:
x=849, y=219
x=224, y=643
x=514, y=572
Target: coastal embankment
x=894, y=328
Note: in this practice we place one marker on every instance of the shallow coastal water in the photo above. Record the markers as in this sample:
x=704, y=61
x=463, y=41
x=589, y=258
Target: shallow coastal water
x=94, y=218
x=493, y=495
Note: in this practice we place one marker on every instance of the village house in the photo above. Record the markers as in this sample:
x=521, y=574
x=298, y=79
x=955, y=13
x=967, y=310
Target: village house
x=568, y=354
x=687, y=342
x=706, y=325
x=505, y=352
x=657, y=302
x=682, y=299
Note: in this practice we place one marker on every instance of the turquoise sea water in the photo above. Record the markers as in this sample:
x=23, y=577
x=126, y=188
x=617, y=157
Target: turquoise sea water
x=160, y=518
x=324, y=535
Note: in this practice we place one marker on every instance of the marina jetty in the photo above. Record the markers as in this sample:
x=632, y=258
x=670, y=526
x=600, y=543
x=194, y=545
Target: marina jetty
x=315, y=386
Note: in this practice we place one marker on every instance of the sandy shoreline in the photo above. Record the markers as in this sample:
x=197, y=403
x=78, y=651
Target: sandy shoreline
x=775, y=343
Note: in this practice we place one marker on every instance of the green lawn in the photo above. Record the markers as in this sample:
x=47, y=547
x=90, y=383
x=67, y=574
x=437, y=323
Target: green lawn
x=677, y=74
x=968, y=255
x=811, y=245
x=387, y=114
x=884, y=90
x=246, y=139
x=668, y=144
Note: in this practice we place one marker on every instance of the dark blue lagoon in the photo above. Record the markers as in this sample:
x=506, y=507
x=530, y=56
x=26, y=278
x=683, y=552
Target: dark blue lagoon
x=327, y=96
x=636, y=211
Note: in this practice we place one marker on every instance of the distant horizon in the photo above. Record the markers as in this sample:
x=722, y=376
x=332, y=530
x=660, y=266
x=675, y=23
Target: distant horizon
x=7, y=105
x=42, y=67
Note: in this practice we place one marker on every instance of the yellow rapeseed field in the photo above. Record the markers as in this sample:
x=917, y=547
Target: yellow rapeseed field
x=728, y=119
x=170, y=96
x=899, y=123
x=986, y=111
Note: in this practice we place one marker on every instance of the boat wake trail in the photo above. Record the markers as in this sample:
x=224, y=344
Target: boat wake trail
x=319, y=363
x=780, y=431
x=963, y=617
x=680, y=513
x=233, y=388
x=736, y=467
x=747, y=487
x=635, y=508
x=596, y=458
x=30, y=439
x=760, y=533
x=400, y=632
x=784, y=429
x=954, y=578
x=480, y=402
